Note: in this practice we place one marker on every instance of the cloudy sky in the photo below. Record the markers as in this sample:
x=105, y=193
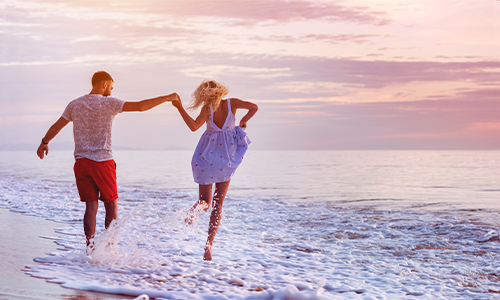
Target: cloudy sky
x=352, y=74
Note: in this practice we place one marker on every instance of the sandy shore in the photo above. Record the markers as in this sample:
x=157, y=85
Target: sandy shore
x=21, y=243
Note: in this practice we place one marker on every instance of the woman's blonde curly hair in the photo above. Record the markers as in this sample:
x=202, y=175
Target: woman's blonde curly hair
x=208, y=93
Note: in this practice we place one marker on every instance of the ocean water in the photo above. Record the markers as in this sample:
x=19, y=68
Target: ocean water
x=296, y=225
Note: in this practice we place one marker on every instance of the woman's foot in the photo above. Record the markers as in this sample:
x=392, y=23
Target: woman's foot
x=189, y=219
x=208, y=253
x=197, y=207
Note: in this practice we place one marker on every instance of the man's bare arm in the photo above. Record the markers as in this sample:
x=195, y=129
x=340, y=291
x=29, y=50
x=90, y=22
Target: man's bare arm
x=43, y=149
x=148, y=103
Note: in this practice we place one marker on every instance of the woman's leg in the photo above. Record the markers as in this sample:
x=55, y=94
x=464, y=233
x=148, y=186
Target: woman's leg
x=205, y=198
x=219, y=196
x=203, y=203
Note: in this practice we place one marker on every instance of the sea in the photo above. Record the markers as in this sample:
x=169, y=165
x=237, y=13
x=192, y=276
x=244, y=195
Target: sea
x=296, y=225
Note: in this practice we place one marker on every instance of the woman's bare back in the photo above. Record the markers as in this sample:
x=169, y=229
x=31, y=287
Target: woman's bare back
x=220, y=115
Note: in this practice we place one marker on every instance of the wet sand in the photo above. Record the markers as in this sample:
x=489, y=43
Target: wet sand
x=21, y=243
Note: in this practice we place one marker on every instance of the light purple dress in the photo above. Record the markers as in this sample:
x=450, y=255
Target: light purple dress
x=219, y=151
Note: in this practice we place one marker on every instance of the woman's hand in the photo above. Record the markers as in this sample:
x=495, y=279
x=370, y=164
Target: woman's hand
x=177, y=103
x=252, y=109
x=243, y=124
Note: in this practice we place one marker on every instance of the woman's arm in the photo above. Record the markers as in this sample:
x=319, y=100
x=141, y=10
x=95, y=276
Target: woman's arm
x=252, y=110
x=190, y=122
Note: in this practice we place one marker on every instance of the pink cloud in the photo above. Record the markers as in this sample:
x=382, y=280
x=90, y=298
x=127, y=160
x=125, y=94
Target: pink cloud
x=276, y=10
x=439, y=124
x=247, y=11
x=486, y=126
x=330, y=38
x=360, y=74
x=409, y=136
x=489, y=130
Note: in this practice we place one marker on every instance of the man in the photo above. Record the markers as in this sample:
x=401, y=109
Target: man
x=95, y=170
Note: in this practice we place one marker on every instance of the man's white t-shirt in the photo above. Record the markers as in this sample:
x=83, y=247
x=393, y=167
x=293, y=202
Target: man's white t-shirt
x=92, y=116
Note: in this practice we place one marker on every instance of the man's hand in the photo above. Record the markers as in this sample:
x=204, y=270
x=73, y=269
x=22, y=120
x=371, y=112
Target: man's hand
x=172, y=97
x=43, y=150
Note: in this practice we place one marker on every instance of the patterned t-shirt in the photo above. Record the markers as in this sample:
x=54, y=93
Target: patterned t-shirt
x=92, y=116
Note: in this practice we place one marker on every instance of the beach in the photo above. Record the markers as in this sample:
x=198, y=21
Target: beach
x=21, y=242
x=332, y=225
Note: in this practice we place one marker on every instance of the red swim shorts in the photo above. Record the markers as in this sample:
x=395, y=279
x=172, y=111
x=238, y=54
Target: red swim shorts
x=96, y=180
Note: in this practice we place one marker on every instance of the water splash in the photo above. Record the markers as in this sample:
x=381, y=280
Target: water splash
x=104, y=248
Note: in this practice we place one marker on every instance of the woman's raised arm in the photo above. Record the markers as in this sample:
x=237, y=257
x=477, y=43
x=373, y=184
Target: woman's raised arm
x=190, y=122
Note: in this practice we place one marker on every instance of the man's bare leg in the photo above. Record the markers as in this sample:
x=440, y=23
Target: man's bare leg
x=203, y=203
x=111, y=213
x=215, y=217
x=89, y=219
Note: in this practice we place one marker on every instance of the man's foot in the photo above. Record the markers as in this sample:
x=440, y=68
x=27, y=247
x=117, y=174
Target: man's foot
x=191, y=215
x=90, y=247
x=208, y=253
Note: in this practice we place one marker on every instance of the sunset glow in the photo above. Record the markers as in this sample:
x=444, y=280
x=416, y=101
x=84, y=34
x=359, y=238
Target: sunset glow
x=355, y=74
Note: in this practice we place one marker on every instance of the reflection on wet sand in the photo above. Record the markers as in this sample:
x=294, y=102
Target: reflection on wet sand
x=81, y=295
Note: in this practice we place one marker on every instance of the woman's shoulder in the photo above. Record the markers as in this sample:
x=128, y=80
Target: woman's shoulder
x=238, y=103
x=235, y=101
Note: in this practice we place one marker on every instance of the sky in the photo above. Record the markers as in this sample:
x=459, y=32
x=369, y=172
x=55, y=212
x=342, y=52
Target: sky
x=339, y=75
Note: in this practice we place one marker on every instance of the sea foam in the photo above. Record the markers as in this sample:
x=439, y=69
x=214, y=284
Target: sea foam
x=265, y=249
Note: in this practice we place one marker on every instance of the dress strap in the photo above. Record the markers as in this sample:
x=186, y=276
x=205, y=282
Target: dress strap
x=228, y=105
x=211, y=113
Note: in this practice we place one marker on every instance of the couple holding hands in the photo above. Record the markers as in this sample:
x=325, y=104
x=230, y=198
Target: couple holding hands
x=219, y=152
